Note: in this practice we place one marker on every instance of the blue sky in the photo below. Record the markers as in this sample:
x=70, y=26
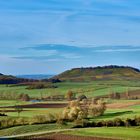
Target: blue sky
x=51, y=36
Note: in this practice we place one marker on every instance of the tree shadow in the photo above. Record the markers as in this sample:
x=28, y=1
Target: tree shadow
x=114, y=114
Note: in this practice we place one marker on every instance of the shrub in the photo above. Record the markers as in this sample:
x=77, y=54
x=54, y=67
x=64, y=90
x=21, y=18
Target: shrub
x=118, y=122
x=137, y=121
x=24, y=97
x=81, y=123
x=2, y=114
x=81, y=97
x=109, y=123
x=41, y=86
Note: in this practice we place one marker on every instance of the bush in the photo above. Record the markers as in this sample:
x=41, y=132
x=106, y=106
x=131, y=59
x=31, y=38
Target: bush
x=81, y=97
x=81, y=123
x=118, y=122
x=137, y=121
x=24, y=97
x=41, y=86
x=2, y=114
x=10, y=122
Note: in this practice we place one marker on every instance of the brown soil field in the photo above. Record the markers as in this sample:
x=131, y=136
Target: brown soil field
x=67, y=137
x=1, y=111
x=122, y=105
x=62, y=105
x=41, y=105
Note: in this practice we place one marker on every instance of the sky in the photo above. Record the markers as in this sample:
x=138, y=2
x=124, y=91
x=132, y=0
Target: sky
x=51, y=36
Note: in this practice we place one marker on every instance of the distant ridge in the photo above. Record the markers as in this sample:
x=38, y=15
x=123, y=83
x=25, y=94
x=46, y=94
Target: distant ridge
x=111, y=72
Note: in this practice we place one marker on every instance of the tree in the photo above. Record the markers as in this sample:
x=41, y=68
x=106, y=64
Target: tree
x=70, y=95
x=74, y=111
x=18, y=109
x=82, y=97
x=24, y=97
x=97, y=109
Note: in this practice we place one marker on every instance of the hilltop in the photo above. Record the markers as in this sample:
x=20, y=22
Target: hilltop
x=111, y=72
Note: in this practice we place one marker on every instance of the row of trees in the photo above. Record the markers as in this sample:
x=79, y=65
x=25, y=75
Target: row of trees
x=50, y=118
x=117, y=122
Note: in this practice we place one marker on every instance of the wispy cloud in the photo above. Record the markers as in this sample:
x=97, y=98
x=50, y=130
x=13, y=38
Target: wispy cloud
x=118, y=50
x=68, y=33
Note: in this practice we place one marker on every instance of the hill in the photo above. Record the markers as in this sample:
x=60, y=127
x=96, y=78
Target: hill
x=9, y=79
x=112, y=72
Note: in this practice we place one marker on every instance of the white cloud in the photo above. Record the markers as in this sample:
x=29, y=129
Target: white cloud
x=117, y=50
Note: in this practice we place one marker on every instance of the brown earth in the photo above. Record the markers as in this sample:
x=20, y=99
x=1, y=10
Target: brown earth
x=62, y=105
x=67, y=137
x=4, y=111
x=41, y=105
x=122, y=105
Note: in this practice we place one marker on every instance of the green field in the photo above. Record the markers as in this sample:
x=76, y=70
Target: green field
x=90, y=89
x=32, y=129
x=118, y=132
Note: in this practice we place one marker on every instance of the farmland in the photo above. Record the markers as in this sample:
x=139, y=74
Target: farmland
x=90, y=89
x=116, y=108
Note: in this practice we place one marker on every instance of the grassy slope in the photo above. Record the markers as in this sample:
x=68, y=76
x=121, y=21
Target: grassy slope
x=88, y=74
x=90, y=89
x=31, y=128
x=115, y=132
x=32, y=112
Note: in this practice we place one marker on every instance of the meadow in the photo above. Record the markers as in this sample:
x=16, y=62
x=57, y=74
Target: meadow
x=122, y=108
x=90, y=89
x=112, y=132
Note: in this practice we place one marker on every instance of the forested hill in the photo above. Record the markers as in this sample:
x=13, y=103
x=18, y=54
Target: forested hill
x=112, y=72
x=8, y=79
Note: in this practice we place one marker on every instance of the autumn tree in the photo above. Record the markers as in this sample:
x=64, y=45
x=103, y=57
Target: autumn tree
x=70, y=95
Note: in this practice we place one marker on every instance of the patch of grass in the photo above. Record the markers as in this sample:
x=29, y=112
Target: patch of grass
x=30, y=112
x=31, y=129
x=111, y=114
x=90, y=89
x=113, y=132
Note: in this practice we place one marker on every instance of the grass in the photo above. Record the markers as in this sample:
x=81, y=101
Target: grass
x=111, y=114
x=30, y=112
x=4, y=103
x=31, y=128
x=113, y=132
x=90, y=89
